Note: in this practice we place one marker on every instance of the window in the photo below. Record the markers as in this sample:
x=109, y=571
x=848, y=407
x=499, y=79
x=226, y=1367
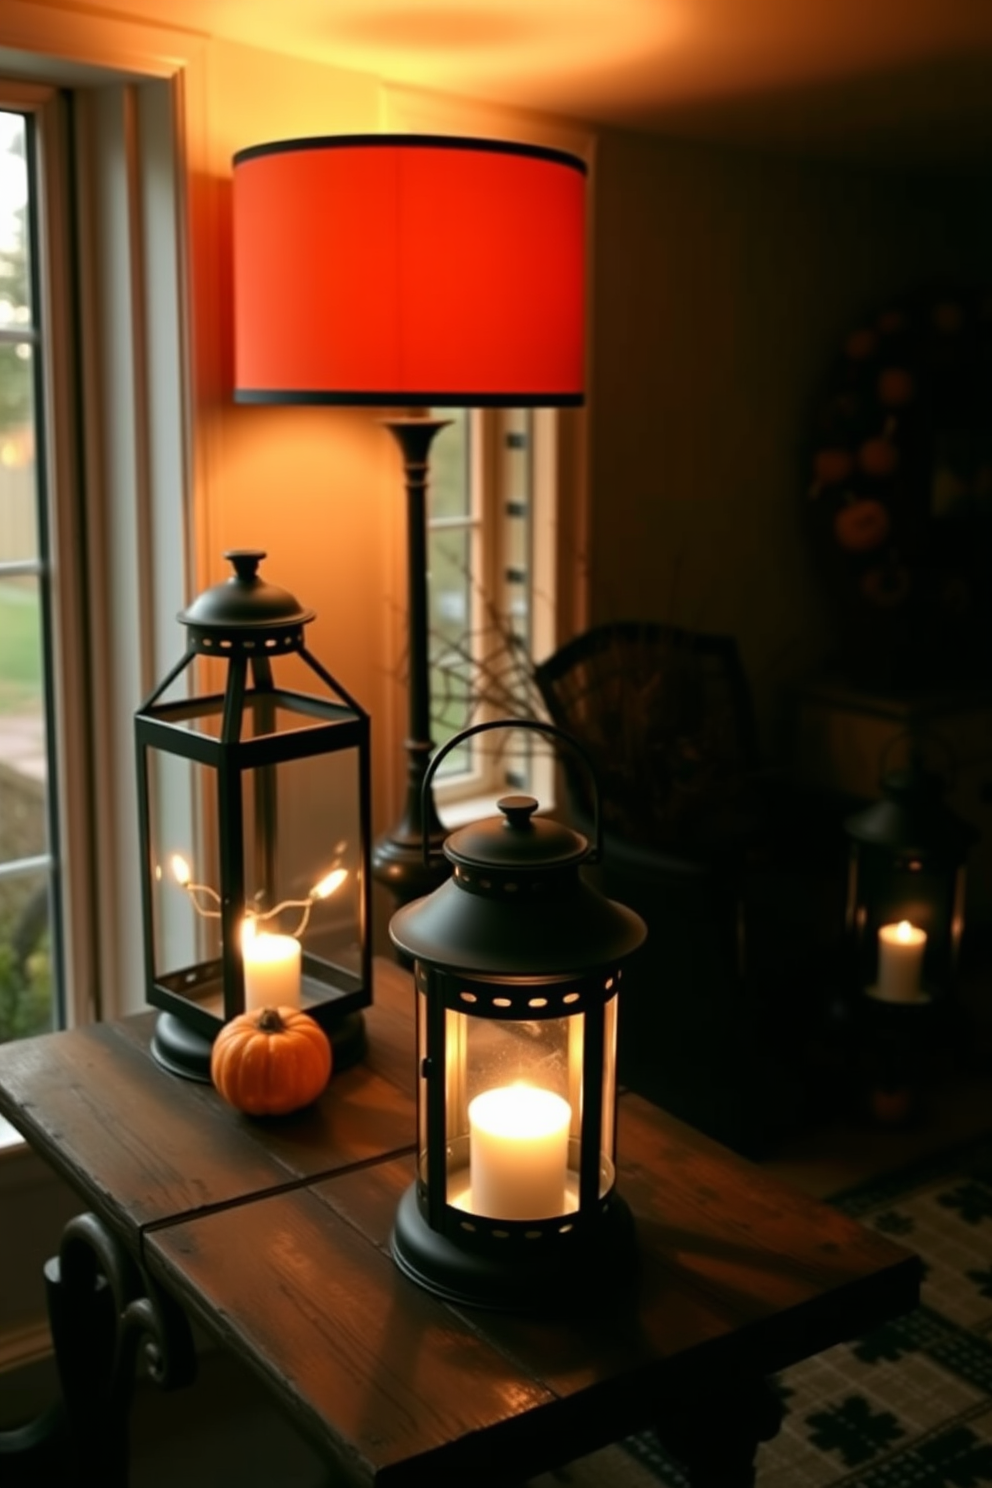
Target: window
x=92, y=525
x=490, y=532
x=30, y=945
x=109, y=451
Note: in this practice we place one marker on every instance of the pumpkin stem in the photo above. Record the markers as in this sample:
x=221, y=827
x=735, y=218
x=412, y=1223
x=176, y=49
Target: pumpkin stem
x=269, y=1021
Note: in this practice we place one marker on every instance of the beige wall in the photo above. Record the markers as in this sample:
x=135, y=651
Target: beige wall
x=319, y=490
x=725, y=283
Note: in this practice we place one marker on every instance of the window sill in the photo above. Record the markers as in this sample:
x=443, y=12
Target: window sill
x=463, y=810
x=9, y=1135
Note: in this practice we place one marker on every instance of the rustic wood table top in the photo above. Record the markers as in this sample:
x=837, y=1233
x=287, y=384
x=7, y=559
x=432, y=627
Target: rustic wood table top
x=275, y=1236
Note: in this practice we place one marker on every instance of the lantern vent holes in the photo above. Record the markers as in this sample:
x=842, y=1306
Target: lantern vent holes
x=524, y=1003
x=486, y=1231
x=291, y=640
x=538, y=884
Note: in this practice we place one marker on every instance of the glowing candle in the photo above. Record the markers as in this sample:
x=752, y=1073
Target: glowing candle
x=900, y=961
x=272, y=970
x=518, y=1152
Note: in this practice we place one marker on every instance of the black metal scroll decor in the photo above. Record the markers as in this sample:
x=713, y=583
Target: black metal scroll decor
x=105, y=1311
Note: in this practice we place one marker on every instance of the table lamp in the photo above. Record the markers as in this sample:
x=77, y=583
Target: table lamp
x=409, y=272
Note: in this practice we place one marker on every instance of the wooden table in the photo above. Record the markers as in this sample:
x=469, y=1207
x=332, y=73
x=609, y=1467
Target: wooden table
x=274, y=1235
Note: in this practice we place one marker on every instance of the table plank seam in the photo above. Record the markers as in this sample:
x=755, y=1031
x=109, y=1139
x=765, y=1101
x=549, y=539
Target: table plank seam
x=242, y=1201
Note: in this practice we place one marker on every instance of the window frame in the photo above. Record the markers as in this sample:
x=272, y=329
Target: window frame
x=68, y=805
x=99, y=59
x=461, y=796
x=113, y=275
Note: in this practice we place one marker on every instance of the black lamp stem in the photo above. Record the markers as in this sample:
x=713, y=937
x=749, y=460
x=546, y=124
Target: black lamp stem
x=398, y=857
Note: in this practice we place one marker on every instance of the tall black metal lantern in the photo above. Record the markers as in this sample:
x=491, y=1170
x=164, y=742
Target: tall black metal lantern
x=254, y=811
x=906, y=887
x=518, y=964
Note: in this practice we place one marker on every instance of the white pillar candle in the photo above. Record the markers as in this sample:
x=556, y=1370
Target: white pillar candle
x=900, y=962
x=518, y=1152
x=272, y=971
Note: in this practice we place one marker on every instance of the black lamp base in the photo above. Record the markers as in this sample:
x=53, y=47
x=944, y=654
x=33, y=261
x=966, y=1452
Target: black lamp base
x=185, y=1051
x=555, y=1280
x=399, y=865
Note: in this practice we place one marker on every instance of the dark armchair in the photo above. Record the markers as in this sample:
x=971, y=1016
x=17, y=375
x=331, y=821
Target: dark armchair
x=666, y=716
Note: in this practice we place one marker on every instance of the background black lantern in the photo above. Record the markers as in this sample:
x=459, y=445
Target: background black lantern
x=906, y=886
x=254, y=810
x=517, y=964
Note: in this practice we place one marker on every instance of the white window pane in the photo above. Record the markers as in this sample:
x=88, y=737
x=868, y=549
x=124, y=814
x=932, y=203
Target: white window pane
x=18, y=469
x=450, y=492
x=28, y=996
x=18, y=490
x=27, y=991
x=450, y=641
x=21, y=670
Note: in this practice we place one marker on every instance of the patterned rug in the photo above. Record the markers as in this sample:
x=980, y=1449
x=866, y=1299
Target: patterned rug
x=908, y=1406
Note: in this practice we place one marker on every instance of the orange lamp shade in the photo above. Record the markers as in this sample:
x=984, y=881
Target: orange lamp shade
x=385, y=269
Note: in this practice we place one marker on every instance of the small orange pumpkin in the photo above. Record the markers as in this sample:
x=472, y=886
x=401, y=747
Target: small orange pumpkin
x=878, y=456
x=831, y=465
x=861, y=525
x=270, y=1061
x=896, y=387
x=887, y=586
x=861, y=344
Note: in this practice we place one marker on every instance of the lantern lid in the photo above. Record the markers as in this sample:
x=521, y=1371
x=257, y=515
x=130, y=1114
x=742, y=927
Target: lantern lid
x=911, y=816
x=245, y=601
x=518, y=839
x=516, y=905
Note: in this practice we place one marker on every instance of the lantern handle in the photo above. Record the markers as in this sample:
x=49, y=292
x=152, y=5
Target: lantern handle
x=918, y=741
x=532, y=725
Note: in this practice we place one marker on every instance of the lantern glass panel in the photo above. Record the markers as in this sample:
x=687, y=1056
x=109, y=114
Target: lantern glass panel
x=910, y=888
x=513, y=1114
x=609, y=1108
x=185, y=880
x=303, y=878
x=279, y=714
x=302, y=862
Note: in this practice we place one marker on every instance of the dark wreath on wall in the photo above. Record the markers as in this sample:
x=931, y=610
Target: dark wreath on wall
x=899, y=497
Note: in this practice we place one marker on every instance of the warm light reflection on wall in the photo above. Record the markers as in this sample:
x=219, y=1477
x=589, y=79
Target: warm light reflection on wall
x=317, y=490
x=433, y=45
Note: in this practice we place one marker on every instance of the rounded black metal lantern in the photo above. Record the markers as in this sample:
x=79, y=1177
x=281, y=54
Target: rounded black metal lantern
x=906, y=887
x=518, y=964
x=254, y=814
